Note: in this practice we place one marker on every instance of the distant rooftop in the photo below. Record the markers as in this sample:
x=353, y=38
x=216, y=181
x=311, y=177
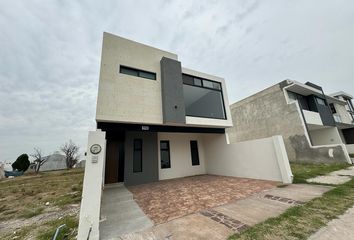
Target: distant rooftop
x=343, y=94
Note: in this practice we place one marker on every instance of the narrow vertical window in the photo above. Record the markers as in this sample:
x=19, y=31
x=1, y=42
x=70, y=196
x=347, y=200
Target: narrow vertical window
x=138, y=155
x=194, y=153
x=165, y=154
x=333, y=109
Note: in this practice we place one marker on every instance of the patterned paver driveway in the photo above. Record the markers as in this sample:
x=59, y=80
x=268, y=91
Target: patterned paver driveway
x=169, y=199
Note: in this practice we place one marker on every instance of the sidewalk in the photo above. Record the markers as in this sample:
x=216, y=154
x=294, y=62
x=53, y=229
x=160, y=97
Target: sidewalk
x=338, y=229
x=335, y=178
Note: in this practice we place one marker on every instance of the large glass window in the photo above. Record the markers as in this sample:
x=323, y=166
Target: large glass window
x=203, y=102
x=203, y=98
x=165, y=154
x=138, y=155
x=194, y=153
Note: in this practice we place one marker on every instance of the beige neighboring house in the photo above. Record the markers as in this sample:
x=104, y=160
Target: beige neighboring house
x=301, y=113
x=343, y=113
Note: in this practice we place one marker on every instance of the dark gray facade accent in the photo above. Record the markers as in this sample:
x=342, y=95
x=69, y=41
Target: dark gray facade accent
x=173, y=108
x=324, y=110
x=149, y=162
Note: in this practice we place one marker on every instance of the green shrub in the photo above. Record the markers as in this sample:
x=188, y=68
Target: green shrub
x=22, y=163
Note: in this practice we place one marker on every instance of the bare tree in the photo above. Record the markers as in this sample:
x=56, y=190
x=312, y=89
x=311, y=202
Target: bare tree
x=38, y=158
x=71, y=150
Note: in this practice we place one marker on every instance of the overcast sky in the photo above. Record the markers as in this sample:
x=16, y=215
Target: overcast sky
x=50, y=54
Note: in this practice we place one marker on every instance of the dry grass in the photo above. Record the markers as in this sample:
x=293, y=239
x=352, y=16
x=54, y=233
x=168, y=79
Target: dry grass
x=23, y=198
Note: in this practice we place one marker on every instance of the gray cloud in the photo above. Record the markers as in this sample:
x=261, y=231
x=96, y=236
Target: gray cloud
x=50, y=54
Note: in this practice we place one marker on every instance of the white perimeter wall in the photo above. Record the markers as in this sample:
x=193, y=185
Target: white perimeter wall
x=92, y=188
x=180, y=155
x=325, y=136
x=264, y=158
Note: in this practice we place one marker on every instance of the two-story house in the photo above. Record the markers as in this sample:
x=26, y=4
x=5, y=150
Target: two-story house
x=153, y=108
x=158, y=120
x=300, y=113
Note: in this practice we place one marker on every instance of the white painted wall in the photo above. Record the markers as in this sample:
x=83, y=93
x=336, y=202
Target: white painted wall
x=350, y=148
x=325, y=136
x=92, y=188
x=312, y=117
x=180, y=155
x=264, y=158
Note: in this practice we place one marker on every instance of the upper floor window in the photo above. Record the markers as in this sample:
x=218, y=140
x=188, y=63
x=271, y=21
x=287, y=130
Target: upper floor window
x=137, y=73
x=337, y=118
x=302, y=100
x=320, y=101
x=292, y=97
x=203, y=98
x=333, y=109
x=349, y=105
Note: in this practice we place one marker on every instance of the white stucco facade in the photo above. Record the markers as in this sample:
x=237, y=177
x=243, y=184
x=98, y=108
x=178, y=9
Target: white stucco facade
x=264, y=158
x=325, y=136
x=312, y=117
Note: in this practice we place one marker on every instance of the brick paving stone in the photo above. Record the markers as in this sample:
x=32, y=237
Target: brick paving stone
x=283, y=199
x=221, y=218
x=170, y=199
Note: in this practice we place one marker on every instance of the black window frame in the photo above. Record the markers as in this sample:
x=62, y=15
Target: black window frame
x=138, y=72
x=194, y=152
x=139, y=151
x=167, y=149
x=218, y=89
x=333, y=108
x=350, y=105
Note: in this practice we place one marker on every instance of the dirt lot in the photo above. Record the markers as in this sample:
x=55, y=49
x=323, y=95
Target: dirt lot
x=34, y=205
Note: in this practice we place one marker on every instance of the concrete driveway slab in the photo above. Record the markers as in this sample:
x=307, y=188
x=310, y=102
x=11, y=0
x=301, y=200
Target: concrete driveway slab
x=120, y=213
x=252, y=210
x=191, y=227
x=300, y=192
